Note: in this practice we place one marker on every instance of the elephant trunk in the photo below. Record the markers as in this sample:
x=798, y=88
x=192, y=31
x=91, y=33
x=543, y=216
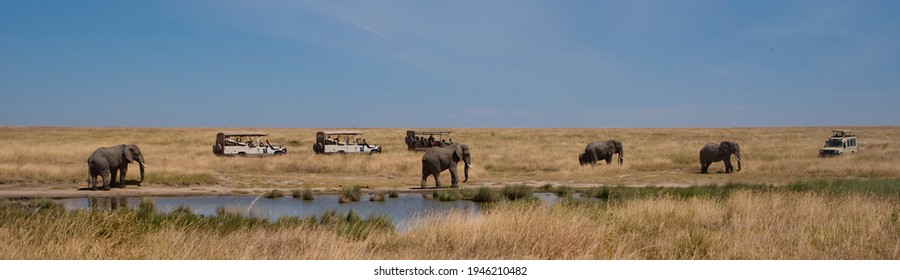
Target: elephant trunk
x=468, y=163
x=141, y=163
x=737, y=154
x=621, y=157
x=466, y=173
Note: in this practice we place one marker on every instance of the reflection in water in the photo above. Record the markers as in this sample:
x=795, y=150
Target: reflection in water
x=108, y=203
x=401, y=210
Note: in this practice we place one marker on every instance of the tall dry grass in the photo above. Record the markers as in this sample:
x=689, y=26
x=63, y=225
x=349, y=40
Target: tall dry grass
x=183, y=156
x=743, y=225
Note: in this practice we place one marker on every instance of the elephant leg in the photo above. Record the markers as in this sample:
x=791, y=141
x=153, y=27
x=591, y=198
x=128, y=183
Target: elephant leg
x=728, y=166
x=437, y=179
x=454, y=181
x=608, y=159
x=122, y=177
x=704, y=167
x=105, y=176
x=93, y=181
x=425, y=174
x=113, y=177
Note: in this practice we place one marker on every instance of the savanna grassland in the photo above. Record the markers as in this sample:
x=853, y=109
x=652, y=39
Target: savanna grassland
x=787, y=203
x=667, y=157
x=857, y=219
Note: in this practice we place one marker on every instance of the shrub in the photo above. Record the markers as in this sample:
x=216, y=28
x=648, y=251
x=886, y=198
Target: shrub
x=563, y=191
x=146, y=207
x=393, y=193
x=181, y=210
x=274, y=194
x=447, y=195
x=519, y=191
x=305, y=194
x=601, y=193
x=484, y=194
x=45, y=204
x=349, y=194
x=352, y=225
x=547, y=187
x=379, y=196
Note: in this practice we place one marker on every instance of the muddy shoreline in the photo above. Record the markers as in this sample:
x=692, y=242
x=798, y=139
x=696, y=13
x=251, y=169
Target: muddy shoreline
x=72, y=190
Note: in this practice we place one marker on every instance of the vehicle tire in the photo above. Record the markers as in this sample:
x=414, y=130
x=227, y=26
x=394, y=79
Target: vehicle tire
x=242, y=154
x=375, y=152
x=318, y=148
x=279, y=153
x=340, y=152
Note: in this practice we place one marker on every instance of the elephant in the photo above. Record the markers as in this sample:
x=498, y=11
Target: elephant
x=713, y=152
x=438, y=159
x=112, y=160
x=602, y=151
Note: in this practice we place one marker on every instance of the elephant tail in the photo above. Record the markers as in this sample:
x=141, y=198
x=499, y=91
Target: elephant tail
x=90, y=173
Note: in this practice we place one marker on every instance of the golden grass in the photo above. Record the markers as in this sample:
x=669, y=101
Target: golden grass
x=183, y=156
x=744, y=225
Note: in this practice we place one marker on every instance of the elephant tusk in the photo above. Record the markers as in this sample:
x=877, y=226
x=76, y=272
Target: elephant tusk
x=470, y=166
x=142, y=164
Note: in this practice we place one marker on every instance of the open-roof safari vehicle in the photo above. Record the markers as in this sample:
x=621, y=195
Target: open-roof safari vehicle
x=330, y=142
x=423, y=140
x=245, y=144
x=841, y=142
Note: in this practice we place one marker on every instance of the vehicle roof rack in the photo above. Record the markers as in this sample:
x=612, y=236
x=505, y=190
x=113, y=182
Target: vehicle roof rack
x=343, y=132
x=244, y=134
x=841, y=133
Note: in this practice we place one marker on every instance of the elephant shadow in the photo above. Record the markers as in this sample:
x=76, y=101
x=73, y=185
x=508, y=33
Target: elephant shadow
x=717, y=172
x=132, y=183
x=127, y=183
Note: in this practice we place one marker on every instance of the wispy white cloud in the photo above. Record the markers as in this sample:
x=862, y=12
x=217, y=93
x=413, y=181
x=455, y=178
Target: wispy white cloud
x=372, y=30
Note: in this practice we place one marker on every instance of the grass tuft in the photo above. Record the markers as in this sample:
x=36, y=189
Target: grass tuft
x=447, y=195
x=563, y=191
x=305, y=194
x=378, y=196
x=274, y=194
x=546, y=187
x=517, y=191
x=484, y=194
x=350, y=194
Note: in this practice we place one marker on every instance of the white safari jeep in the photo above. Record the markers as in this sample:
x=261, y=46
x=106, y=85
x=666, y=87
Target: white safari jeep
x=340, y=142
x=841, y=142
x=245, y=144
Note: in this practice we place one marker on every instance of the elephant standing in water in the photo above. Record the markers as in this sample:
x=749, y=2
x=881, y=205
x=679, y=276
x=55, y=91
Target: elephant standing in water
x=713, y=152
x=438, y=159
x=112, y=160
x=602, y=151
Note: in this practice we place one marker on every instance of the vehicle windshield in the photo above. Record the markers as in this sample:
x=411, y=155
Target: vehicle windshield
x=834, y=143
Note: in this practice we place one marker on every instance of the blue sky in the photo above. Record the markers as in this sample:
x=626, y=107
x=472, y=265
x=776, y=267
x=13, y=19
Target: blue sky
x=449, y=63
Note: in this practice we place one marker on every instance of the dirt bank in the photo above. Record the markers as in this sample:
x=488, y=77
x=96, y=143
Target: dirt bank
x=68, y=190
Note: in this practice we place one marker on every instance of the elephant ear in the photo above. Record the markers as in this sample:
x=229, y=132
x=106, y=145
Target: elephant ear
x=728, y=147
x=457, y=154
x=126, y=152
